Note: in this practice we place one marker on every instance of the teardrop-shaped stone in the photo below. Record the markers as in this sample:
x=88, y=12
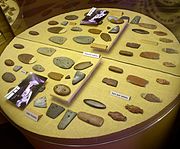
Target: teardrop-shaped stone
x=106, y=37
x=38, y=68
x=79, y=76
x=46, y=51
x=8, y=77
x=71, y=17
x=83, y=65
x=148, y=26
x=83, y=39
x=150, y=97
x=95, y=103
x=58, y=39
x=63, y=62
x=166, y=40
x=162, y=81
x=27, y=58
x=114, y=30
x=169, y=64
x=56, y=30
x=140, y=31
x=94, y=31
x=55, y=76
x=160, y=33
x=150, y=55
x=170, y=51
x=18, y=46
x=77, y=29
x=40, y=102
x=53, y=22
x=135, y=20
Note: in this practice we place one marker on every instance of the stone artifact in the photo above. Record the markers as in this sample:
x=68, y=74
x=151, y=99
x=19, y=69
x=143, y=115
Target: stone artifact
x=125, y=53
x=106, y=37
x=64, y=23
x=115, y=69
x=17, y=68
x=56, y=30
x=133, y=45
x=148, y=26
x=77, y=29
x=55, y=76
x=62, y=90
x=34, y=33
x=9, y=62
x=94, y=31
x=160, y=33
x=83, y=39
x=83, y=65
x=150, y=55
x=169, y=64
x=58, y=39
x=115, y=20
x=53, y=22
x=125, y=18
x=137, y=80
x=95, y=103
x=18, y=46
x=117, y=116
x=40, y=102
x=71, y=17
x=38, y=68
x=170, y=51
x=46, y=51
x=63, y=62
x=66, y=120
x=140, y=31
x=150, y=97
x=114, y=30
x=42, y=88
x=162, y=81
x=134, y=109
x=27, y=58
x=8, y=77
x=110, y=82
x=79, y=76
x=154, y=43
x=166, y=40
x=68, y=77
x=54, y=110
x=90, y=118
x=135, y=20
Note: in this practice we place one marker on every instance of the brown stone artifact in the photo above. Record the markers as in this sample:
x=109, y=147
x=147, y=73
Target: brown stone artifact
x=27, y=58
x=166, y=40
x=56, y=30
x=148, y=26
x=94, y=31
x=38, y=68
x=55, y=76
x=160, y=33
x=53, y=22
x=134, y=109
x=83, y=65
x=150, y=55
x=90, y=118
x=18, y=46
x=8, y=77
x=106, y=37
x=162, y=81
x=63, y=62
x=140, y=31
x=34, y=33
x=150, y=97
x=62, y=90
x=58, y=39
x=133, y=45
x=170, y=51
x=125, y=53
x=117, y=116
x=115, y=69
x=94, y=103
x=71, y=17
x=9, y=62
x=46, y=51
x=169, y=64
x=137, y=80
x=110, y=82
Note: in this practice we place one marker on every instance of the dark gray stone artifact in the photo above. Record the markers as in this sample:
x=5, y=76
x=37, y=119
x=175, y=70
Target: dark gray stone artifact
x=79, y=76
x=62, y=90
x=38, y=68
x=58, y=39
x=46, y=51
x=8, y=77
x=83, y=39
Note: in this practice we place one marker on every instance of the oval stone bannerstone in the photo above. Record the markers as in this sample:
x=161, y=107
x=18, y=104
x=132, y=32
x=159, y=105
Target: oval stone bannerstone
x=94, y=31
x=58, y=39
x=76, y=29
x=46, y=51
x=9, y=62
x=34, y=33
x=150, y=97
x=115, y=69
x=165, y=40
x=63, y=62
x=114, y=30
x=148, y=26
x=106, y=37
x=18, y=46
x=71, y=17
x=95, y=103
x=162, y=81
x=140, y=31
x=53, y=22
x=56, y=30
x=62, y=90
x=125, y=53
x=83, y=65
x=169, y=64
x=79, y=76
x=170, y=51
x=83, y=39
x=117, y=116
x=8, y=77
x=55, y=76
x=27, y=58
x=150, y=55
x=38, y=68
x=160, y=33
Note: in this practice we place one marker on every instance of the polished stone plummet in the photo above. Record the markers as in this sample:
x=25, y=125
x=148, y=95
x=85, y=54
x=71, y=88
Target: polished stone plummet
x=94, y=103
x=9, y=62
x=150, y=97
x=94, y=31
x=106, y=37
x=140, y=31
x=38, y=68
x=148, y=26
x=8, y=77
x=79, y=76
x=134, y=109
x=84, y=39
x=58, y=39
x=46, y=51
x=110, y=82
x=26, y=58
x=117, y=116
x=115, y=69
x=55, y=76
x=62, y=90
x=162, y=81
x=83, y=65
x=63, y=62
x=137, y=80
x=150, y=55
x=40, y=102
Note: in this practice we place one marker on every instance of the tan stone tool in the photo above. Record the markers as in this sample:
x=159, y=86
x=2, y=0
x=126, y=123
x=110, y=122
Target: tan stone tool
x=137, y=80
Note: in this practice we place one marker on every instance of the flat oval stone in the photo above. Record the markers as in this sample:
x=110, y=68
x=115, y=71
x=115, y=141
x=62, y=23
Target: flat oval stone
x=8, y=77
x=134, y=109
x=84, y=39
x=38, y=68
x=115, y=69
x=18, y=46
x=53, y=22
x=94, y=31
x=58, y=39
x=150, y=97
x=169, y=64
x=140, y=31
x=170, y=51
x=148, y=26
x=162, y=81
x=110, y=82
x=160, y=33
x=55, y=76
x=106, y=37
x=76, y=29
x=56, y=30
x=137, y=80
x=150, y=55
x=83, y=65
x=71, y=17
x=9, y=62
x=46, y=51
x=34, y=33
x=133, y=45
x=62, y=90
x=125, y=53
x=63, y=62
x=95, y=103
x=166, y=40
x=79, y=76
x=115, y=20
x=117, y=116
x=114, y=30
x=27, y=58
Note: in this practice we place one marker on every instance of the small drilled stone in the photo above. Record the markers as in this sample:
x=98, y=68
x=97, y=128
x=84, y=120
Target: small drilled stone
x=62, y=90
x=34, y=33
x=53, y=23
x=18, y=46
x=8, y=77
x=9, y=62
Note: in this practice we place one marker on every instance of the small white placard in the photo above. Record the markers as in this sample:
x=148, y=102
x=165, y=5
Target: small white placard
x=91, y=11
x=120, y=95
x=32, y=115
x=94, y=55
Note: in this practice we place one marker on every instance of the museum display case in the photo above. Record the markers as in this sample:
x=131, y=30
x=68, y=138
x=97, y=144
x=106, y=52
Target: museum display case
x=93, y=74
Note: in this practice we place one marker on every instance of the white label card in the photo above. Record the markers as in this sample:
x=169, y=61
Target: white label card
x=120, y=95
x=94, y=55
